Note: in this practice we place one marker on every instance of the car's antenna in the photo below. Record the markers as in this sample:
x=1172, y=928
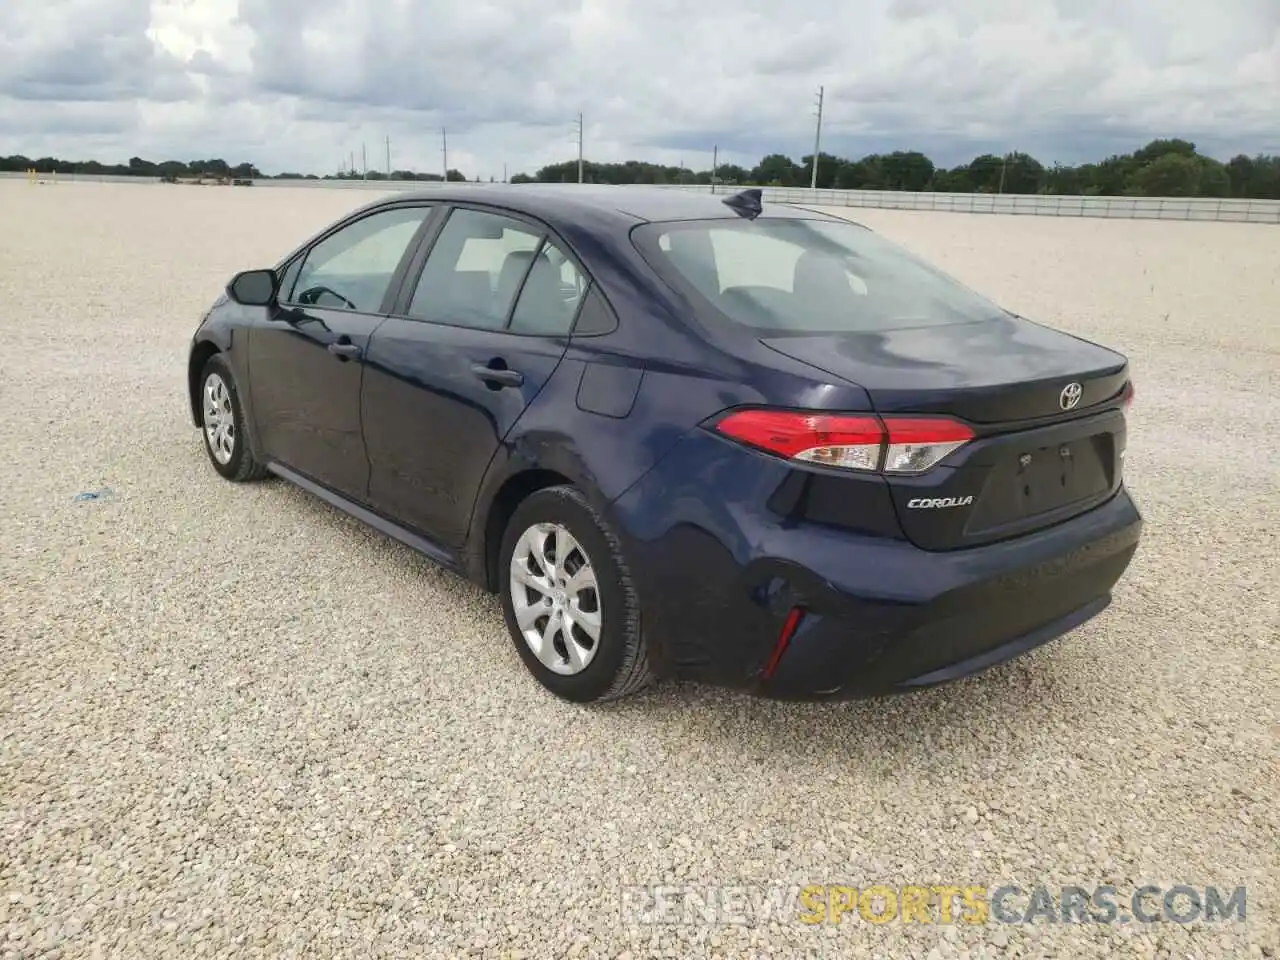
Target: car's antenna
x=746, y=203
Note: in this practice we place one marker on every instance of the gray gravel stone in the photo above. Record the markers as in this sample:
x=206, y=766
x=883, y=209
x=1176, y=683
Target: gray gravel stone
x=237, y=724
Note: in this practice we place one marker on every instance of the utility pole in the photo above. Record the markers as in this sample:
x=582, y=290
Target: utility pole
x=580, y=148
x=817, y=143
x=388, y=158
x=364, y=163
x=444, y=152
x=1004, y=162
x=504, y=173
x=352, y=168
x=715, y=163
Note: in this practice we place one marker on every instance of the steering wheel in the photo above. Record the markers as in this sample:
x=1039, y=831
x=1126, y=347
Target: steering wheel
x=311, y=294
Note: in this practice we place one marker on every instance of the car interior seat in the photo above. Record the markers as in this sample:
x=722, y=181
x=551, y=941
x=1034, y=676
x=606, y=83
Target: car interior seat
x=469, y=294
x=696, y=257
x=821, y=287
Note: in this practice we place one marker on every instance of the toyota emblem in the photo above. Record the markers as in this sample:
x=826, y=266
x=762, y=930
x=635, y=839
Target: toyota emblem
x=1070, y=396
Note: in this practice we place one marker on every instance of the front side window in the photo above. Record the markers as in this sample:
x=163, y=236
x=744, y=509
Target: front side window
x=288, y=278
x=352, y=269
x=807, y=276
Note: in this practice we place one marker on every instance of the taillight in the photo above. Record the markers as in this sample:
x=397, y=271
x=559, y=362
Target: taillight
x=916, y=444
x=851, y=442
x=1127, y=394
x=897, y=445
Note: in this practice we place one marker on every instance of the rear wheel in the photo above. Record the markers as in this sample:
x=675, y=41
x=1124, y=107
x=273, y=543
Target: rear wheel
x=569, y=601
x=223, y=421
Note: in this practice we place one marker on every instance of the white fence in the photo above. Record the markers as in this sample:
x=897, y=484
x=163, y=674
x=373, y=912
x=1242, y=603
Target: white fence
x=1044, y=205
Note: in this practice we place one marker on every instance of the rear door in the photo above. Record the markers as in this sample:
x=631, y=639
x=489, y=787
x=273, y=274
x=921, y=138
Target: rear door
x=306, y=359
x=481, y=325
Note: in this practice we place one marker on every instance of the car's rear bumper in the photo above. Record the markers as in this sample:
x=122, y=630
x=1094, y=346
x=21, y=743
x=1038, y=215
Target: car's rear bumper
x=988, y=618
x=718, y=576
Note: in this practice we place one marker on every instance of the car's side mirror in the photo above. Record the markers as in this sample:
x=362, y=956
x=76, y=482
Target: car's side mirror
x=254, y=288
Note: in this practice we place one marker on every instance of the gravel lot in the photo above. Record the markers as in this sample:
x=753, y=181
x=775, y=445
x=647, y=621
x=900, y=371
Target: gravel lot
x=238, y=724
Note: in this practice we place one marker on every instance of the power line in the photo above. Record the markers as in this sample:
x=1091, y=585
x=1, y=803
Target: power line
x=817, y=142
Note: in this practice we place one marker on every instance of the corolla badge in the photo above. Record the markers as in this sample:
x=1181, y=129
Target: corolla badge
x=1070, y=395
x=933, y=503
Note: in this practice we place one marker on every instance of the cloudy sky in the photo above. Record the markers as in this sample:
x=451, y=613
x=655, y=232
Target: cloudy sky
x=301, y=84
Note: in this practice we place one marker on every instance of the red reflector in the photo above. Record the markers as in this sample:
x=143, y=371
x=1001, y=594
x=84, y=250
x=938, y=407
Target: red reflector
x=926, y=430
x=784, y=637
x=787, y=433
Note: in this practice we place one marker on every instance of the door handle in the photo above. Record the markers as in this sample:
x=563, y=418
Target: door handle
x=497, y=375
x=345, y=351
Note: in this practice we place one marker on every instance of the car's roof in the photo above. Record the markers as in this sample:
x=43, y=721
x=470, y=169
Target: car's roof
x=553, y=201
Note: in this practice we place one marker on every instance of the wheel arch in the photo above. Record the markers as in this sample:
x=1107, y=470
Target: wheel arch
x=514, y=490
x=214, y=341
x=525, y=464
x=201, y=351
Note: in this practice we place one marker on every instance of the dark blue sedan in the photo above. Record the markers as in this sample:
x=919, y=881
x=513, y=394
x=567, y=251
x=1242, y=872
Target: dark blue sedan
x=684, y=435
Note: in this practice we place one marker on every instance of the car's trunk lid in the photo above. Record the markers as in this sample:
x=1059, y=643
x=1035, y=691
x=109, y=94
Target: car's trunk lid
x=1044, y=450
x=1002, y=370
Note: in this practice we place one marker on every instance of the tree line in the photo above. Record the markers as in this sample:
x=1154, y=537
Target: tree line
x=192, y=169
x=1162, y=168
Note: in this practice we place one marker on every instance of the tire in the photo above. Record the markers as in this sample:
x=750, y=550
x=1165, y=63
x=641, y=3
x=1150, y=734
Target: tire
x=228, y=449
x=613, y=664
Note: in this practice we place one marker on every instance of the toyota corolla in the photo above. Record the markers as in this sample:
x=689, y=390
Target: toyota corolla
x=684, y=435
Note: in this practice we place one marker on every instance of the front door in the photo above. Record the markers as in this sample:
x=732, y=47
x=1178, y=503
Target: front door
x=306, y=360
x=483, y=330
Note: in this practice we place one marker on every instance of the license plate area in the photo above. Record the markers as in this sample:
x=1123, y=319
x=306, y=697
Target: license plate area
x=1050, y=477
x=986, y=492
x=1042, y=479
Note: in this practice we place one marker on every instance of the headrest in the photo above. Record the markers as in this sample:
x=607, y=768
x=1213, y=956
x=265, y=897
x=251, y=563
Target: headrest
x=821, y=273
x=512, y=272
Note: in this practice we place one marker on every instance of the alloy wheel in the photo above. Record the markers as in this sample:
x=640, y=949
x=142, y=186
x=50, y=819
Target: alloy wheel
x=556, y=598
x=219, y=419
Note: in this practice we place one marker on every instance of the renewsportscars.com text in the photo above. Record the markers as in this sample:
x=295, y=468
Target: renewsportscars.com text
x=692, y=905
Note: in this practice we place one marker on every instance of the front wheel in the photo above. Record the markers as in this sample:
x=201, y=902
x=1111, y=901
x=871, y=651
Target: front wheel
x=569, y=601
x=223, y=422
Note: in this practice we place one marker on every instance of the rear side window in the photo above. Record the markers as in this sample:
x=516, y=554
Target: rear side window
x=807, y=276
x=550, y=296
x=475, y=270
x=493, y=272
x=594, y=316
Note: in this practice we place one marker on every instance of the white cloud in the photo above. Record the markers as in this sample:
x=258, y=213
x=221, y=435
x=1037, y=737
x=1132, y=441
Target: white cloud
x=299, y=84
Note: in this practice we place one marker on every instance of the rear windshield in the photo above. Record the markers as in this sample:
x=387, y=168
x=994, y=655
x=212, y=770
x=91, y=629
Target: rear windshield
x=807, y=276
